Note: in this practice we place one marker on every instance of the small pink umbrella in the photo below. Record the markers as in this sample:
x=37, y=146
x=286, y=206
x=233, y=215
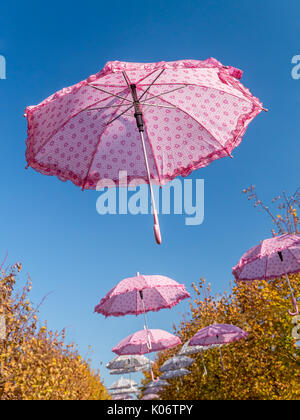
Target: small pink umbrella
x=272, y=258
x=146, y=341
x=155, y=121
x=140, y=294
x=218, y=334
x=150, y=397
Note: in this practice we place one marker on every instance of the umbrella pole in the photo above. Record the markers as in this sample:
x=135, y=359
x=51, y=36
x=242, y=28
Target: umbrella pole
x=292, y=293
x=221, y=356
x=140, y=124
x=204, y=367
x=293, y=298
x=155, y=217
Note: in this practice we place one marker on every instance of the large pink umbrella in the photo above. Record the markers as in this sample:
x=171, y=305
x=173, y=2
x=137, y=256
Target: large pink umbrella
x=153, y=120
x=146, y=341
x=274, y=257
x=218, y=334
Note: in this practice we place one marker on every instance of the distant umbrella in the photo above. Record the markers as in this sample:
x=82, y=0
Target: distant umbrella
x=217, y=334
x=122, y=391
x=128, y=362
x=127, y=371
x=122, y=383
x=175, y=373
x=272, y=258
x=150, y=397
x=176, y=362
x=157, y=383
x=153, y=390
x=144, y=341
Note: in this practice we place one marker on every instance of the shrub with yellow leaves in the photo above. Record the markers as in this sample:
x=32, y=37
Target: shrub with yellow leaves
x=36, y=364
x=265, y=366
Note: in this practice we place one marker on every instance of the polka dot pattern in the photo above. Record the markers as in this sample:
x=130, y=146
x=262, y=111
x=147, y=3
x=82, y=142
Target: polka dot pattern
x=217, y=334
x=263, y=260
x=159, y=292
x=195, y=112
x=137, y=343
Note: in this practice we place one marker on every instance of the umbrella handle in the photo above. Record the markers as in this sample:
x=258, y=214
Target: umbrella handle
x=156, y=228
x=295, y=307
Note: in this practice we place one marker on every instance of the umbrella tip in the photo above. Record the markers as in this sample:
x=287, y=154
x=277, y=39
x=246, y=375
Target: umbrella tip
x=157, y=234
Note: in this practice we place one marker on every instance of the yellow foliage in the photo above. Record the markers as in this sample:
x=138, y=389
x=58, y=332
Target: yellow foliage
x=36, y=364
x=265, y=366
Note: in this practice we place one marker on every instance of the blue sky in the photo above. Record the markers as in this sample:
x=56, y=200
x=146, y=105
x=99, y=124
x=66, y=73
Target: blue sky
x=53, y=227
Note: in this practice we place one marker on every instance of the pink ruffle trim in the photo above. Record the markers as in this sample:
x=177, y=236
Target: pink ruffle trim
x=227, y=75
x=185, y=295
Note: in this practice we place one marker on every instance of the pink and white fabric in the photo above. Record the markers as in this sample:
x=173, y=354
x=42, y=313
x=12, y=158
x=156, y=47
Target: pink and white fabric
x=263, y=261
x=124, y=391
x=186, y=349
x=217, y=334
x=195, y=112
x=153, y=390
x=176, y=362
x=138, y=343
x=150, y=397
x=178, y=373
x=121, y=397
x=123, y=383
x=158, y=383
x=128, y=362
x=158, y=292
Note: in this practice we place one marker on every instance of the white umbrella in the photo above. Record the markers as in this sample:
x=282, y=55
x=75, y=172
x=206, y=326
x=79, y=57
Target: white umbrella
x=150, y=397
x=123, y=383
x=129, y=370
x=128, y=362
x=153, y=390
x=157, y=383
x=176, y=362
x=120, y=391
x=175, y=373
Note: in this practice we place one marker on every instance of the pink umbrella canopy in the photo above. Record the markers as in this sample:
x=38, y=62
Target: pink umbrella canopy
x=217, y=334
x=154, y=121
x=272, y=258
x=140, y=294
x=146, y=341
x=150, y=397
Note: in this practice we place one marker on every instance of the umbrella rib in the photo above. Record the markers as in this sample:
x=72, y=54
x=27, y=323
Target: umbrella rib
x=105, y=107
x=198, y=122
x=163, y=93
x=158, y=106
x=147, y=75
x=96, y=150
x=143, y=94
x=109, y=93
x=66, y=122
x=293, y=254
x=203, y=86
x=120, y=115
